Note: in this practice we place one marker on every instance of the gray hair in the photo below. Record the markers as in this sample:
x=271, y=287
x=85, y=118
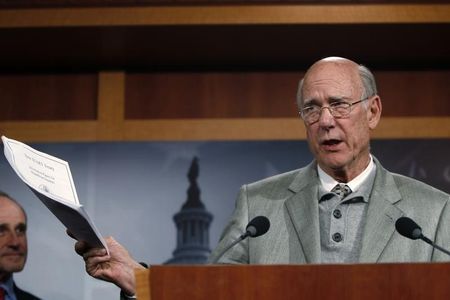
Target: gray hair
x=367, y=79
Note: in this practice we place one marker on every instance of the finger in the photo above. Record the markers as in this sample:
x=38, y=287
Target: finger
x=95, y=253
x=96, y=260
x=110, y=241
x=80, y=247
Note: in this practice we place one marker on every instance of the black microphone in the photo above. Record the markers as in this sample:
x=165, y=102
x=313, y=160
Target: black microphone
x=256, y=227
x=408, y=228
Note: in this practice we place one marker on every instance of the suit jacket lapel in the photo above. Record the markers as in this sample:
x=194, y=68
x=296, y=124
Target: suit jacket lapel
x=381, y=215
x=303, y=210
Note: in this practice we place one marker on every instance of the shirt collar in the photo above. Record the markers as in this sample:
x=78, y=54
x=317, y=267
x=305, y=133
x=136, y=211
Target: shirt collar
x=328, y=182
x=8, y=286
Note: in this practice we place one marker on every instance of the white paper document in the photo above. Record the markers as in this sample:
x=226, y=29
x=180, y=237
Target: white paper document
x=51, y=181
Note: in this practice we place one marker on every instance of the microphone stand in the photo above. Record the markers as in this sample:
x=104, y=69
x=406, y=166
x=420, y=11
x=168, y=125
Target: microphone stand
x=428, y=241
x=242, y=237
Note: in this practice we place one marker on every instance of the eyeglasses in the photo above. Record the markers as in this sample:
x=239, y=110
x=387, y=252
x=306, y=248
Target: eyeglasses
x=311, y=114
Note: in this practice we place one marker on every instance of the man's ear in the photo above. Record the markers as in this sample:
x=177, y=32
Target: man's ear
x=374, y=112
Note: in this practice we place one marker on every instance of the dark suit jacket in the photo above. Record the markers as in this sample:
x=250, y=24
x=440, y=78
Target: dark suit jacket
x=290, y=201
x=23, y=295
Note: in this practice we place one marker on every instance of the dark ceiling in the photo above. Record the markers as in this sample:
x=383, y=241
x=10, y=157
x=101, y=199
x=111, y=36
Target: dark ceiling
x=224, y=47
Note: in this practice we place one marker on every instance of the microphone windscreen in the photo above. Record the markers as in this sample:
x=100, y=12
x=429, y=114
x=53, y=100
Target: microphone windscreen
x=258, y=226
x=408, y=228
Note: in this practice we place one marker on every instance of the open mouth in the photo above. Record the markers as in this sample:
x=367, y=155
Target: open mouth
x=331, y=142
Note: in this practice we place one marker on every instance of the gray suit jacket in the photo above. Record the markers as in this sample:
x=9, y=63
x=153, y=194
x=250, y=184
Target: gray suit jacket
x=290, y=202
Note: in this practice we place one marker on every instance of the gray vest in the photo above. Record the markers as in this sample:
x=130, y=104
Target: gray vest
x=342, y=223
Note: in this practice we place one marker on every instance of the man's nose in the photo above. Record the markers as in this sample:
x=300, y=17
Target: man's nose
x=326, y=119
x=13, y=239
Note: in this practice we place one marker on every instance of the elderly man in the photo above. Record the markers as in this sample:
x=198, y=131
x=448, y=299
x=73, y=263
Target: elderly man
x=13, y=248
x=341, y=208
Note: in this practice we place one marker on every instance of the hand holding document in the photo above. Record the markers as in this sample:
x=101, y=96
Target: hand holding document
x=51, y=181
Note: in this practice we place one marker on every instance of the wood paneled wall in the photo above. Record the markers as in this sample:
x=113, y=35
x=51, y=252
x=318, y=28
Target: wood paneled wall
x=197, y=106
x=270, y=94
x=115, y=103
x=28, y=97
x=211, y=95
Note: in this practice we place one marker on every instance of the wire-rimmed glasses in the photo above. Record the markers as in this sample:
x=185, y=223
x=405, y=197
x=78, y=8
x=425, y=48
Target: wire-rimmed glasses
x=340, y=109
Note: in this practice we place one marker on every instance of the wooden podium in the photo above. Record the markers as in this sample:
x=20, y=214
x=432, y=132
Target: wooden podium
x=359, y=281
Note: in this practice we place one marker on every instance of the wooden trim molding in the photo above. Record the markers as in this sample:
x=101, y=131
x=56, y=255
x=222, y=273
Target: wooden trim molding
x=50, y=131
x=274, y=129
x=215, y=129
x=413, y=127
x=209, y=129
x=226, y=15
x=111, y=105
x=142, y=284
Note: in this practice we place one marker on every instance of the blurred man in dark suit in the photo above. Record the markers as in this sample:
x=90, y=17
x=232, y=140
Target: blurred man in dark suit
x=13, y=248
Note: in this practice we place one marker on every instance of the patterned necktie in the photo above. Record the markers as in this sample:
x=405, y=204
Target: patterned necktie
x=342, y=190
x=2, y=293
